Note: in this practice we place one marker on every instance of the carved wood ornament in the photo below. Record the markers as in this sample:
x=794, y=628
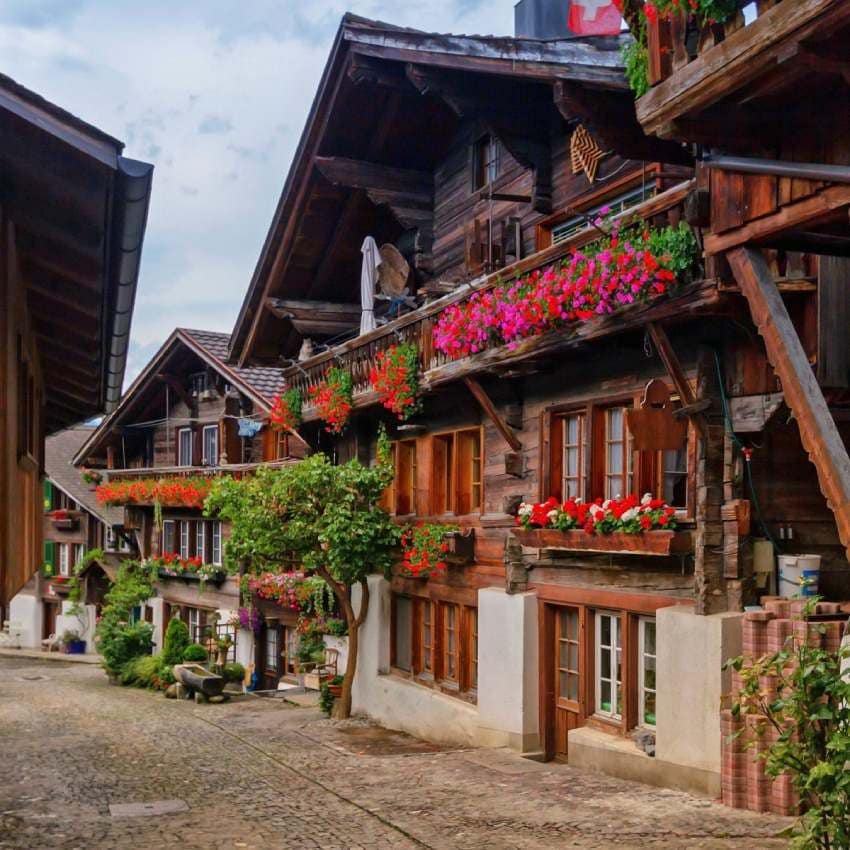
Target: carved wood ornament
x=653, y=425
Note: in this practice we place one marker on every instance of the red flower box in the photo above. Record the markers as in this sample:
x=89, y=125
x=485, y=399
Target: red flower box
x=649, y=543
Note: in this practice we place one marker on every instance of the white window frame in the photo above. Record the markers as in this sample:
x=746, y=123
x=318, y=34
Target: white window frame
x=215, y=540
x=199, y=382
x=194, y=617
x=616, y=662
x=642, y=656
x=174, y=541
x=184, y=539
x=64, y=558
x=182, y=460
x=79, y=553
x=201, y=540
x=205, y=459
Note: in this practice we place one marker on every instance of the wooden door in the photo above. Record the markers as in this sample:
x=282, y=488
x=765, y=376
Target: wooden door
x=48, y=628
x=568, y=656
x=270, y=662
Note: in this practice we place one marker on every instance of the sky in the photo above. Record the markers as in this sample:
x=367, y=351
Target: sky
x=215, y=93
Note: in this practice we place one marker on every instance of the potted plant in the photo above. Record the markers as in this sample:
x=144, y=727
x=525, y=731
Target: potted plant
x=73, y=643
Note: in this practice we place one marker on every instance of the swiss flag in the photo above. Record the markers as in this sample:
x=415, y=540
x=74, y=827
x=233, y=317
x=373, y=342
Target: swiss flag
x=595, y=17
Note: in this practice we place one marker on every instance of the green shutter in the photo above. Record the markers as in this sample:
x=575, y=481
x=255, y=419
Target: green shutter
x=48, y=494
x=49, y=557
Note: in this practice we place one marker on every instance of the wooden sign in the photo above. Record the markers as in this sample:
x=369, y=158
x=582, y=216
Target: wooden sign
x=652, y=425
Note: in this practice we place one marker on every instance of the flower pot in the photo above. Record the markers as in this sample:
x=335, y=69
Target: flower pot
x=75, y=647
x=335, y=691
x=648, y=543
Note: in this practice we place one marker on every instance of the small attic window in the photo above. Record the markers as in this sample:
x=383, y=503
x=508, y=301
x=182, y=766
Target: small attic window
x=486, y=162
x=199, y=383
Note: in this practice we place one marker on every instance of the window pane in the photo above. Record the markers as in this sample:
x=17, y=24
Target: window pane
x=572, y=625
x=563, y=684
x=605, y=631
x=403, y=607
x=649, y=636
x=572, y=688
x=605, y=665
x=572, y=656
x=605, y=692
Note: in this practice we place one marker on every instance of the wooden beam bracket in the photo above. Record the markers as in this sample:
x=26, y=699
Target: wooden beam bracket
x=490, y=409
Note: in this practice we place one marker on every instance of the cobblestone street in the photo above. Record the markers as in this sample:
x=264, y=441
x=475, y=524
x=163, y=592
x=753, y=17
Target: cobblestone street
x=258, y=773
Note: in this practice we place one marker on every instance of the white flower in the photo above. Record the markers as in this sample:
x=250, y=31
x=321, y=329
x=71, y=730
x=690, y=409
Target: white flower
x=578, y=500
x=595, y=509
x=525, y=509
x=553, y=513
x=606, y=504
x=630, y=514
x=647, y=498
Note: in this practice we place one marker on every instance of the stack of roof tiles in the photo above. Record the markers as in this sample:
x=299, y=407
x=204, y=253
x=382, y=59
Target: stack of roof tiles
x=745, y=739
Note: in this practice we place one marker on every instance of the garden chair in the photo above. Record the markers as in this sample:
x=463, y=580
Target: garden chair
x=316, y=672
x=51, y=643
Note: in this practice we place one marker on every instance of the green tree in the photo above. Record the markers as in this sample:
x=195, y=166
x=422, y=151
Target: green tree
x=326, y=517
x=810, y=710
x=176, y=642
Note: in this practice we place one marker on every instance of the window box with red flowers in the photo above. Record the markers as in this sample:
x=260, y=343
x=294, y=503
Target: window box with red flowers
x=427, y=550
x=395, y=378
x=64, y=520
x=633, y=526
x=171, y=565
x=168, y=492
x=333, y=399
x=61, y=585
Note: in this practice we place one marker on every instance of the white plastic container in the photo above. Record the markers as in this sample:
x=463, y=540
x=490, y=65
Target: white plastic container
x=798, y=575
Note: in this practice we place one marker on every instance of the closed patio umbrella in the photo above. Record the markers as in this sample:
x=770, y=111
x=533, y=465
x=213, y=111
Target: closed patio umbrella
x=368, y=282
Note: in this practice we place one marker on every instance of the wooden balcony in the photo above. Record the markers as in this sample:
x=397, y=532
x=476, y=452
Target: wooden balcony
x=358, y=355
x=156, y=472
x=733, y=84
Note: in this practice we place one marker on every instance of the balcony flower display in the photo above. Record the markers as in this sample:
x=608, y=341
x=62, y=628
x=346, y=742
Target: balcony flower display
x=631, y=515
x=286, y=411
x=281, y=588
x=333, y=398
x=706, y=11
x=90, y=476
x=424, y=550
x=171, y=564
x=395, y=377
x=168, y=492
x=632, y=264
x=247, y=618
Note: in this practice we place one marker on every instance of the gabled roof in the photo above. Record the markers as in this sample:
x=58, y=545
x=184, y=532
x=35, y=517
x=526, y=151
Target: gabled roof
x=59, y=451
x=260, y=384
x=592, y=62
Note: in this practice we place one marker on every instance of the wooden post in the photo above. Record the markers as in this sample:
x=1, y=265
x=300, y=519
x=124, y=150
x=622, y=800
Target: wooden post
x=803, y=395
x=709, y=588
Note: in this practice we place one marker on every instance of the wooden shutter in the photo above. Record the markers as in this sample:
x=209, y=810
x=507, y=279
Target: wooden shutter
x=269, y=444
x=833, y=321
x=475, y=253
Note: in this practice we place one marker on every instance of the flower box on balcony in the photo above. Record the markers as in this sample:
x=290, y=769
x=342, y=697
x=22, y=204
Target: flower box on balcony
x=216, y=578
x=64, y=520
x=648, y=543
x=61, y=585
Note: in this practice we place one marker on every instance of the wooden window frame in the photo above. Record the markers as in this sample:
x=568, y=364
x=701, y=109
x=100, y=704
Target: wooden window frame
x=201, y=540
x=449, y=624
x=469, y=649
x=482, y=178
x=174, y=538
x=616, y=713
x=425, y=655
x=458, y=480
x=185, y=529
x=405, y=496
x=216, y=543
x=642, y=655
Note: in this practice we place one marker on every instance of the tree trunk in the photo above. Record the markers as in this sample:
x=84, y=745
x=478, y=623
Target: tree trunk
x=342, y=705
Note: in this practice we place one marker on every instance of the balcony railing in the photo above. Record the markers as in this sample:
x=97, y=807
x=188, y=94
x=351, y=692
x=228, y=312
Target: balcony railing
x=234, y=469
x=358, y=355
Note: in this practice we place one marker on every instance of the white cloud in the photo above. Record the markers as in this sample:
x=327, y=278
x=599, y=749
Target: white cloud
x=215, y=94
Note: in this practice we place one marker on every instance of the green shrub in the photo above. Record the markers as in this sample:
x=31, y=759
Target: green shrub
x=118, y=639
x=234, y=672
x=141, y=671
x=326, y=699
x=194, y=653
x=336, y=626
x=176, y=641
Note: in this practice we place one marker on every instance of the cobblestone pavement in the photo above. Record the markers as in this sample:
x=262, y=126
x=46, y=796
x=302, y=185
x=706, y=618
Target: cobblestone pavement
x=261, y=775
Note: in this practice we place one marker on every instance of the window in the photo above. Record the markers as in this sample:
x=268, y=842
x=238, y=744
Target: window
x=64, y=559
x=405, y=477
x=472, y=647
x=469, y=471
x=619, y=478
x=575, y=457
x=79, y=553
x=457, y=472
x=216, y=543
x=184, y=539
x=574, y=224
x=272, y=649
x=443, y=479
x=403, y=618
x=210, y=445
x=568, y=654
x=201, y=540
x=426, y=642
x=449, y=622
x=646, y=672
x=609, y=672
x=486, y=162
x=281, y=445
x=199, y=383
x=184, y=447
x=675, y=476
x=194, y=624
x=169, y=542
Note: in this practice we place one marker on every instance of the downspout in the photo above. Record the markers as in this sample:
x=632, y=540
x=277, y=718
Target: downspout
x=132, y=200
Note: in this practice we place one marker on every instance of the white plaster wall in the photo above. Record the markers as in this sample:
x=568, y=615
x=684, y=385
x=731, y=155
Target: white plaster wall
x=157, y=605
x=507, y=669
x=84, y=623
x=28, y=611
x=691, y=651
x=245, y=648
x=507, y=672
x=340, y=644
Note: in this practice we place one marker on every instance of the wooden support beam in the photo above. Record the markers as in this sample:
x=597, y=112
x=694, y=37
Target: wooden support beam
x=490, y=409
x=358, y=174
x=675, y=371
x=803, y=394
x=315, y=318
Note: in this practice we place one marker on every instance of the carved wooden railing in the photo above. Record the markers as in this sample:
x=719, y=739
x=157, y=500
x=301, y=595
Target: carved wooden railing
x=677, y=41
x=155, y=472
x=358, y=355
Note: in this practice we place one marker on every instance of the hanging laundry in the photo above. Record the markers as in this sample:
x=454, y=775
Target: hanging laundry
x=249, y=427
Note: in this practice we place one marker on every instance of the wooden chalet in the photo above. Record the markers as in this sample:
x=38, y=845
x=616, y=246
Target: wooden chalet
x=73, y=212
x=188, y=417
x=74, y=524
